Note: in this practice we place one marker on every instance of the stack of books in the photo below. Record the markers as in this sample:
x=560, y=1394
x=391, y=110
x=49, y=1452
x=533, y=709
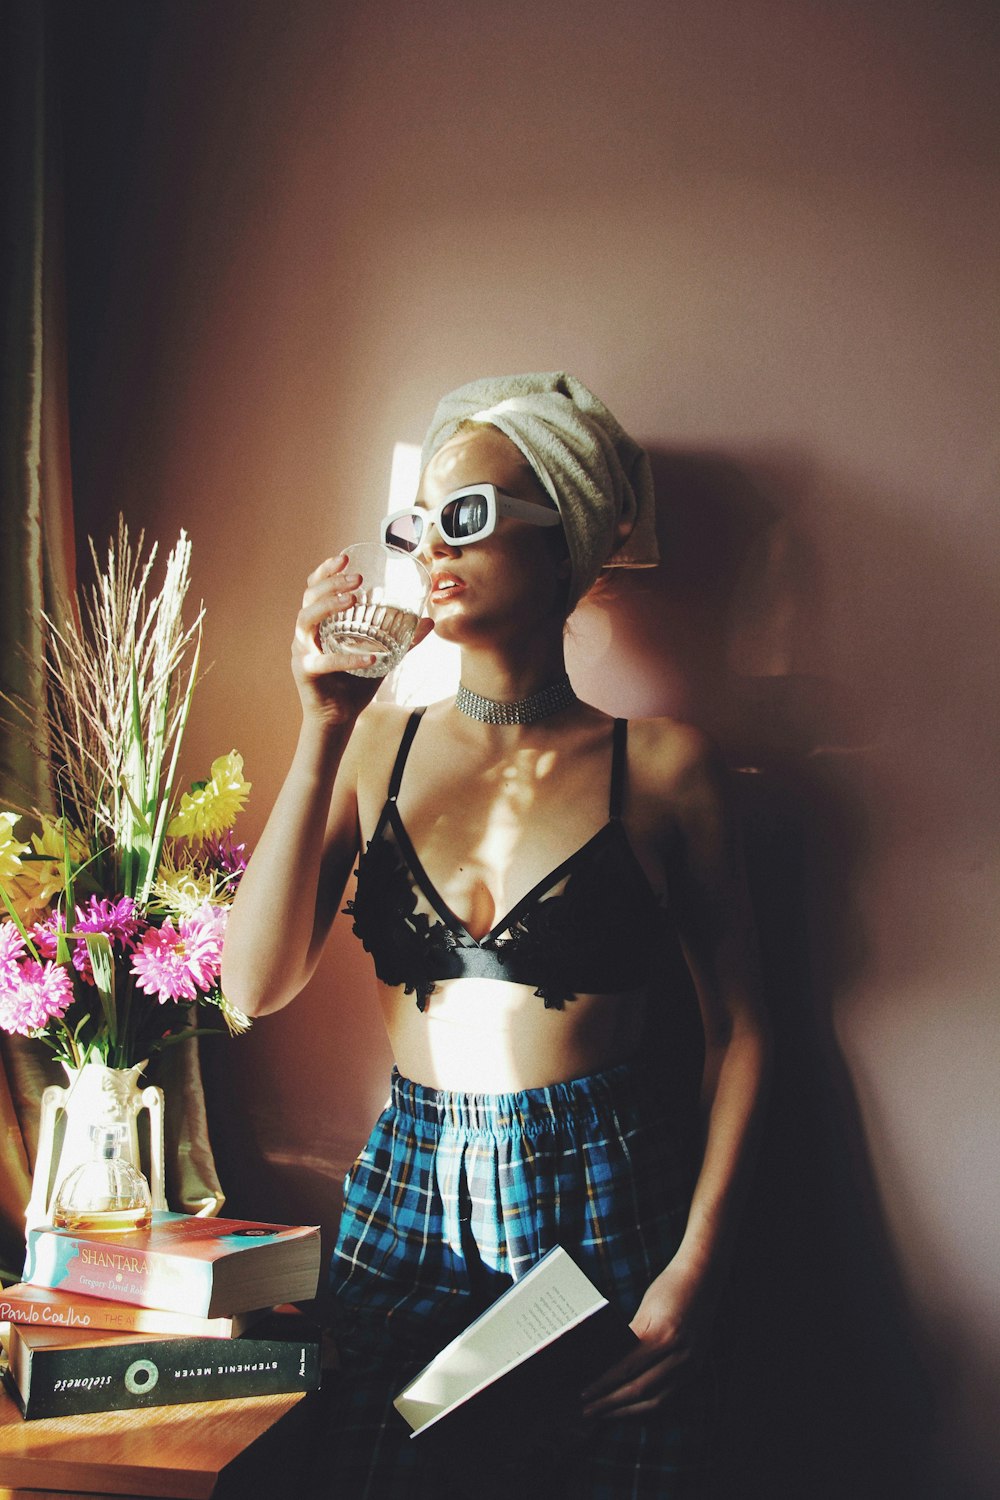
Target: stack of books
x=190, y=1309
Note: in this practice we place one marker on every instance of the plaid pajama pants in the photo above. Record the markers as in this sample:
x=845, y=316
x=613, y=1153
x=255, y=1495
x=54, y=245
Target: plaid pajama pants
x=454, y=1197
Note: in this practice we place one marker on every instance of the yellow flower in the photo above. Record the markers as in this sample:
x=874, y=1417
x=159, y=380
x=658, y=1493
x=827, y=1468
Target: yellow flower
x=211, y=808
x=235, y=1020
x=11, y=848
x=181, y=890
x=39, y=881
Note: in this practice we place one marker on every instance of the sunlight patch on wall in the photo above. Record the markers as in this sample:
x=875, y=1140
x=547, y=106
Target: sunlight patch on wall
x=431, y=670
x=404, y=476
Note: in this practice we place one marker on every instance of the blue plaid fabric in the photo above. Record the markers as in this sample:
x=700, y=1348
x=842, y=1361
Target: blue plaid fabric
x=454, y=1197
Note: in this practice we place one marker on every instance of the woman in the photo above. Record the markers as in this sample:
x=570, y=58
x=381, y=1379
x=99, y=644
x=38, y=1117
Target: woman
x=526, y=862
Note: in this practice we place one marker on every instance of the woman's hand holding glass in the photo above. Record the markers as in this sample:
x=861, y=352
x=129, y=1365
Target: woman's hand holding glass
x=389, y=602
x=329, y=680
x=324, y=686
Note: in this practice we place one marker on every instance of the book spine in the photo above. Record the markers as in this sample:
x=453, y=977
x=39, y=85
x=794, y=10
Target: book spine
x=66, y=1382
x=148, y=1278
x=66, y=1311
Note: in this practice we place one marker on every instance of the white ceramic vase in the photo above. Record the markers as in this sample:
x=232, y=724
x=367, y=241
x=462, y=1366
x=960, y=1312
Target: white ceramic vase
x=96, y=1094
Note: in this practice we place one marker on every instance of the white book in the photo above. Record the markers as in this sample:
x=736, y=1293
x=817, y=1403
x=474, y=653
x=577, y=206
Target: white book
x=532, y=1316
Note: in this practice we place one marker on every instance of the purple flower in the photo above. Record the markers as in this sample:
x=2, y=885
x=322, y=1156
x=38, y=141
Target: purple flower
x=119, y=919
x=226, y=856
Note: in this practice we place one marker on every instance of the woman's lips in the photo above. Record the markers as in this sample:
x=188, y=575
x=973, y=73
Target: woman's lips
x=445, y=586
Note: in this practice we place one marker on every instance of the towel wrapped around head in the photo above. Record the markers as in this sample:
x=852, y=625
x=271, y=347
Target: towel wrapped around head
x=589, y=466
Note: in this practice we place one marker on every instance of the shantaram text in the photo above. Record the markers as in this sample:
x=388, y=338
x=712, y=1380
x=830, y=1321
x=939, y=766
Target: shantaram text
x=117, y=1260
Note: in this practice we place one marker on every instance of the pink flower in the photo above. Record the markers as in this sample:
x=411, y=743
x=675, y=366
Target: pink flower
x=43, y=993
x=31, y=993
x=45, y=935
x=11, y=950
x=174, y=963
x=210, y=923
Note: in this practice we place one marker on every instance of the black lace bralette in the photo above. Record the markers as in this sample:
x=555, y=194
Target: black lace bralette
x=592, y=926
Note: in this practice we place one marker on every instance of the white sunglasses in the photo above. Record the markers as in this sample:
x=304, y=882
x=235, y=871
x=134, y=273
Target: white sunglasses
x=464, y=516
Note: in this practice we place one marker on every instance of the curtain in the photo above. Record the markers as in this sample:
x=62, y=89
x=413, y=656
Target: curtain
x=38, y=571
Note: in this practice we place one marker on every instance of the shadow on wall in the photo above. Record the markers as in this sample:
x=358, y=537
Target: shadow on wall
x=726, y=632
x=830, y=1396
x=827, y=1395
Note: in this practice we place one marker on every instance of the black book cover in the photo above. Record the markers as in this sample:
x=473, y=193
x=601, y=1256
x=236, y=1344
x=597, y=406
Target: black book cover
x=510, y=1384
x=533, y=1409
x=55, y=1373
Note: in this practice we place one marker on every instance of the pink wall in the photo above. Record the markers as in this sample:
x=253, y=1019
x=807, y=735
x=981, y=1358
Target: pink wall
x=766, y=234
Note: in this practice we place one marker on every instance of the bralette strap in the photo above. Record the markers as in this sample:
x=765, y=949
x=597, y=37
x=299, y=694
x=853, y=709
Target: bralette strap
x=396, y=778
x=619, y=747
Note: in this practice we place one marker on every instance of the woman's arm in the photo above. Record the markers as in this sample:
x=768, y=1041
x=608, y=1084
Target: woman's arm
x=712, y=908
x=291, y=888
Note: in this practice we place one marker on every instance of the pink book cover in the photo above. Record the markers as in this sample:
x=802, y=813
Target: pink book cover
x=173, y=1264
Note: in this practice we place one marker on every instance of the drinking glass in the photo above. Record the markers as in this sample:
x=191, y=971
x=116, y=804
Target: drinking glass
x=391, y=598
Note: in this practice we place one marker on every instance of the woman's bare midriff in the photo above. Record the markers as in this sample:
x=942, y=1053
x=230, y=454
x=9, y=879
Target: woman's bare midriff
x=488, y=1036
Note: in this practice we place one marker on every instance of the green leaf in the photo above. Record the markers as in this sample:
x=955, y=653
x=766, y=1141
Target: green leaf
x=136, y=840
x=63, y=954
x=184, y=1036
x=103, y=964
x=156, y=750
x=19, y=925
x=139, y=814
x=168, y=786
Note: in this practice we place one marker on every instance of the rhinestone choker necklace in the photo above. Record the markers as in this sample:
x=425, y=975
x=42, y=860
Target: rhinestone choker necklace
x=548, y=700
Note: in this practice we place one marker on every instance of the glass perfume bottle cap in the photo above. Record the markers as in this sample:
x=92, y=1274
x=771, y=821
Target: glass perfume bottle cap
x=108, y=1138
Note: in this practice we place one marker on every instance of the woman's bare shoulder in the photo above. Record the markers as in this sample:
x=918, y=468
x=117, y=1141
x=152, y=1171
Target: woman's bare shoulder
x=379, y=727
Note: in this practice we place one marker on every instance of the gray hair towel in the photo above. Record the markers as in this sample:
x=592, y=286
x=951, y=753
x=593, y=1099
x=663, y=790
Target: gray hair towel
x=588, y=465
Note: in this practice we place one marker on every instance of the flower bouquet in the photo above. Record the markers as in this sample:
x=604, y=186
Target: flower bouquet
x=114, y=908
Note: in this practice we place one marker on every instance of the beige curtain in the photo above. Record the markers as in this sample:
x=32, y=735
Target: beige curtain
x=37, y=568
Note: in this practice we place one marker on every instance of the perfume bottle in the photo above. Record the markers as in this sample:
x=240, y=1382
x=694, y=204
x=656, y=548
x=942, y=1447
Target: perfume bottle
x=107, y=1194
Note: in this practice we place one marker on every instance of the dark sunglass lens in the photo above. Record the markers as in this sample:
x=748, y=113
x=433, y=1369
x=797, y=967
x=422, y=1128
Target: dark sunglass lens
x=464, y=516
x=404, y=533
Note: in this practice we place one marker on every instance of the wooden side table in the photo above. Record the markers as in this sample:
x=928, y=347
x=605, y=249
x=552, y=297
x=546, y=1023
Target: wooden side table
x=221, y=1449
